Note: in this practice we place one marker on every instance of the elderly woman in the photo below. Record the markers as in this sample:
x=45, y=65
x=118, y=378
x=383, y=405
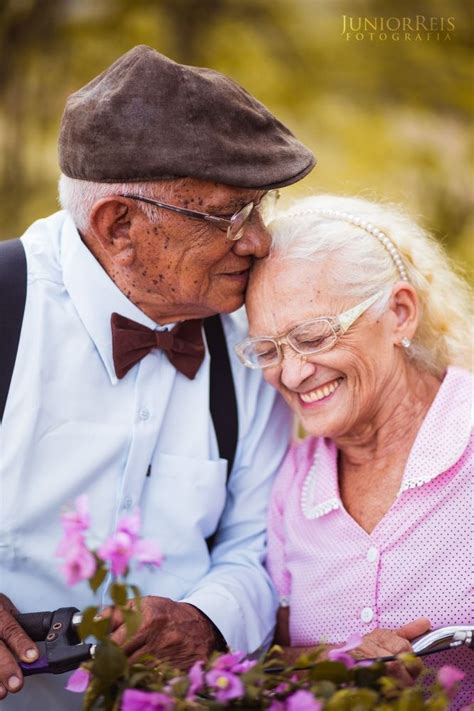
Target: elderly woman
x=357, y=318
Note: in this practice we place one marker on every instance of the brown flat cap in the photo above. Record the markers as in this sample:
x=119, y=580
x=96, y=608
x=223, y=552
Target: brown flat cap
x=147, y=118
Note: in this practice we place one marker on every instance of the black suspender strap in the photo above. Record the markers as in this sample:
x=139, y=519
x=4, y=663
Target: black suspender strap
x=223, y=402
x=12, y=307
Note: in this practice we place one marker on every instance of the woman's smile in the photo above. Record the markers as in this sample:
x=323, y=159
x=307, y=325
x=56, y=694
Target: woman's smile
x=320, y=394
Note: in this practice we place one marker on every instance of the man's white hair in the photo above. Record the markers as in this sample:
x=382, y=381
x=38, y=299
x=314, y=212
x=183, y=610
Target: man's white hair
x=79, y=196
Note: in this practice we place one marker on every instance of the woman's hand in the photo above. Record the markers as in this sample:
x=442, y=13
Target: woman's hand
x=379, y=643
x=384, y=643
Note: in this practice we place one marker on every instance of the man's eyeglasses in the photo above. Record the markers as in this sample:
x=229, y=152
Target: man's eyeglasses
x=315, y=336
x=233, y=226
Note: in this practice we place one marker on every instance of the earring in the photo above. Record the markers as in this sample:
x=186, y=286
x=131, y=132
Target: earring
x=406, y=343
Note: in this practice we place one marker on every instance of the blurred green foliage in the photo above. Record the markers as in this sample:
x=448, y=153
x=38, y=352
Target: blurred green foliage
x=387, y=118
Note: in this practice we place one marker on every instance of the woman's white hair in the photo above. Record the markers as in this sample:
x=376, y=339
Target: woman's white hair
x=361, y=266
x=79, y=196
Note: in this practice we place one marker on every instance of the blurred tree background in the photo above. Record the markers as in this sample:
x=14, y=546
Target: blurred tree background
x=388, y=118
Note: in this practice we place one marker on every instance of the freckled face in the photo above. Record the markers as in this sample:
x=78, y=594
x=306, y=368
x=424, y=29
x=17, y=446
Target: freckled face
x=337, y=391
x=185, y=268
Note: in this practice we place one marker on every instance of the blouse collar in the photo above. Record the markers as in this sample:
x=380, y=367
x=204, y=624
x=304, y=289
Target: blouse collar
x=442, y=439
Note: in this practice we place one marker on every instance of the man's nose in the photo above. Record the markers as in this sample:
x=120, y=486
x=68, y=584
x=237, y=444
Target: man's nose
x=255, y=242
x=295, y=369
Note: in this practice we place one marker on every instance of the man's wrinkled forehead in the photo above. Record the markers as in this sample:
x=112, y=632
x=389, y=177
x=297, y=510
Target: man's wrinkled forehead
x=212, y=196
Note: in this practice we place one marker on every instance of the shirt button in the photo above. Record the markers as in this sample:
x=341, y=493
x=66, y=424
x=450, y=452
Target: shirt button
x=127, y=503
x=372, y=554
x=367, y=614
x=144, y=413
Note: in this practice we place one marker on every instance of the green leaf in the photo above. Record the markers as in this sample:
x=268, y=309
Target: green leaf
x=410, y=700
x=352, y=700
x=275, y=651
x=86, y=627
x=99, y=576
x=389, y=687
x=368, y=676
x=101, y=628
x=137, y=596
x=438, y=702
x=118, y=593
x=91, y=695
x=110, y=663
x=325, y=689
x=132, y=619
x=329, y=671
x=414, y=665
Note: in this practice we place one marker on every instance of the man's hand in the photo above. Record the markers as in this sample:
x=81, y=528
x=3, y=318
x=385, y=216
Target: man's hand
x=172, y=631
x=14, y=645
x=384, y=643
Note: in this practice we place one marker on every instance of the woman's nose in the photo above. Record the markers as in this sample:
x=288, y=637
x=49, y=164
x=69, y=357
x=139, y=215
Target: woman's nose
x=295, y=368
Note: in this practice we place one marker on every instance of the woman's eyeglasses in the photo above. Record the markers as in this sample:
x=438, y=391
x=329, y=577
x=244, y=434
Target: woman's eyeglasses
x=315, y=336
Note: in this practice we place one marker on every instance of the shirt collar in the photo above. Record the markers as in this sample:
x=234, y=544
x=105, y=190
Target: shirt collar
x=94, y=294
x=439, y=444
x=320, y=491
x=445, y=431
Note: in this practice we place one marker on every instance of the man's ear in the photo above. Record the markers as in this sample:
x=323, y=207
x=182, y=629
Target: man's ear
x=110, y=222
x=405, y=309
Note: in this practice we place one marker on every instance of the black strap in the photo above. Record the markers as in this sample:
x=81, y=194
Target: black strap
x=223, y=402
x=12, y=307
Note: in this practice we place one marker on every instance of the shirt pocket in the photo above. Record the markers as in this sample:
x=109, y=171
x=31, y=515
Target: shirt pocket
x=183, y=500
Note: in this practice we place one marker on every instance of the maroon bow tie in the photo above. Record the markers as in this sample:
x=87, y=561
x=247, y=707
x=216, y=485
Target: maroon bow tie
x=131, y=342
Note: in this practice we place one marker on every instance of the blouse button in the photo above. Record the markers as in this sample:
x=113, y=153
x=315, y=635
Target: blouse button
x=372, y=554
x=367, y=614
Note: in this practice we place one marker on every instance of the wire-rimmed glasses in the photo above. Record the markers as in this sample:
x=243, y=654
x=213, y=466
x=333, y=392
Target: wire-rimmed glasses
x=314, y=336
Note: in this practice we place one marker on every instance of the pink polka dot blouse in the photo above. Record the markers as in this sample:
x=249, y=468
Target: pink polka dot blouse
x=338, y=579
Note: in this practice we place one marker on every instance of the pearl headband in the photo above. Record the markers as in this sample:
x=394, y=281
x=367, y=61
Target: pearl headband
x=385, y=241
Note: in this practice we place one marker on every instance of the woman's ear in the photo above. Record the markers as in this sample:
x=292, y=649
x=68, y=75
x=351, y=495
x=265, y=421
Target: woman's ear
x=110, y=225
x=405, y=309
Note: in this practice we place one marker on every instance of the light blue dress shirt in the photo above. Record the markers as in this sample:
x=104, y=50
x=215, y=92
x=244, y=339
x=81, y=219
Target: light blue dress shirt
x=71, y=427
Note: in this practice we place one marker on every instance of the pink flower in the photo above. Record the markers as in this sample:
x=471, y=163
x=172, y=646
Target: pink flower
x=340, y=653
x=448, y=676
x=303, y=701
x=136, y=700
x=79, y=563
x=69, y=540
x=78, y=520
x=234, y=662
x=243, y=666
x=78, y=681
x=282, y=688
x=130, y=525
x=226, y=685
x=124, y=545
x=196, y=677
x=227, y=661
x=118, y=550
x=277, y=706
x=147, y=552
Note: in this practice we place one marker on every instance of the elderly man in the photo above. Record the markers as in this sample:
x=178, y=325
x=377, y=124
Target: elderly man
x=165, y=171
